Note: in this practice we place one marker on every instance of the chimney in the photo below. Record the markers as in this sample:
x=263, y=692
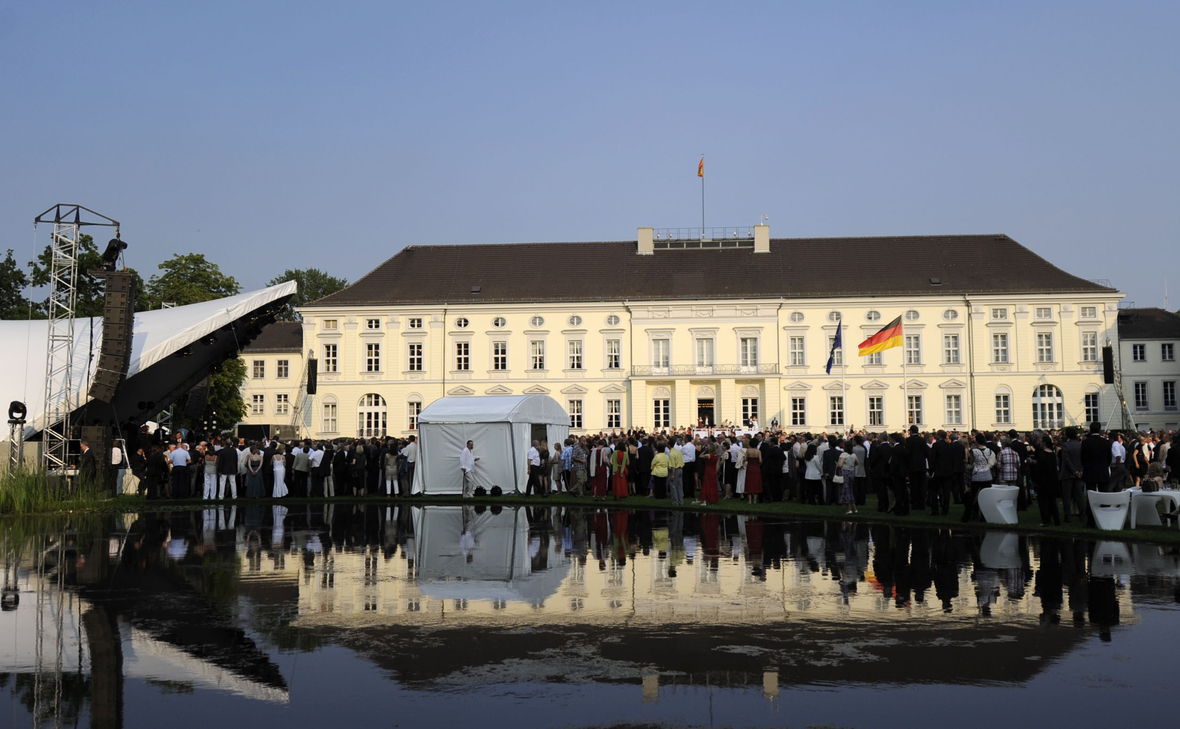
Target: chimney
x=646, y=247
x=762, y=239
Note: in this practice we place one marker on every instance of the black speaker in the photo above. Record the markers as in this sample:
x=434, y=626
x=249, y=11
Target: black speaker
x=114, y=357
x=313, y=375
x=1108, y=364
x=98, y=437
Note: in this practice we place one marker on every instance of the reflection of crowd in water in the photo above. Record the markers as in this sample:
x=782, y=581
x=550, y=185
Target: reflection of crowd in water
x=905, y=568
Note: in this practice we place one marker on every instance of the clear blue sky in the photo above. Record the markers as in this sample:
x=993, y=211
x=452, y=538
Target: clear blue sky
x=290, y=134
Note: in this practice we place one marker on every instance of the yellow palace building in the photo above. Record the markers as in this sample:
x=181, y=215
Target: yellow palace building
x=673, y=330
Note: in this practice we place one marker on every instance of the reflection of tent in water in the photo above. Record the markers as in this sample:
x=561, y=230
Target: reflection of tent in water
x=503, y=428
x=467, y=556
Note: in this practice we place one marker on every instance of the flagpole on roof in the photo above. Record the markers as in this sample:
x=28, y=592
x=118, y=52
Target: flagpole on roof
x=701, y=174
x=905, y=385
x=843, y=366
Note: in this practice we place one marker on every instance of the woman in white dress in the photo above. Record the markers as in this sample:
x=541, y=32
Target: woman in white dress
x=280, y=467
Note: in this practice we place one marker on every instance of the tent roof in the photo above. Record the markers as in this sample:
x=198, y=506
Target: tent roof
x=495, y=409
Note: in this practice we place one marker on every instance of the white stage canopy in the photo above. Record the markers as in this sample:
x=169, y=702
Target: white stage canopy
x=156, y=335
x=503, y=428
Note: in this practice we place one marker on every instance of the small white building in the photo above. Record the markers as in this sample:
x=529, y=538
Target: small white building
x=1148, y=340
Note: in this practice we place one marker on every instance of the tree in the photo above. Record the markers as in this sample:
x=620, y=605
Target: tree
x=313, y=284
x=91, y=289
x=13, y=304
x=225, y=406
x=188, y=278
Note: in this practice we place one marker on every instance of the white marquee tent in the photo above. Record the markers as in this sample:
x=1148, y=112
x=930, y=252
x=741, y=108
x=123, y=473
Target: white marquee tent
x=503, y=428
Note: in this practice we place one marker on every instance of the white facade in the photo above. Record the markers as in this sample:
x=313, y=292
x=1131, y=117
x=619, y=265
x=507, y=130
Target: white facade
x=1150, y=374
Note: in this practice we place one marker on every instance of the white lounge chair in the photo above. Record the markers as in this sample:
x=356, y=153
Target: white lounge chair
x=1143, y=507
x=997, y=503
x=1109, y=509
x=1171, y=501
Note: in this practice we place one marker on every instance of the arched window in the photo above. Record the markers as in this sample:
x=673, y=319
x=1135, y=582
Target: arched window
x=1048, y=407
x=371, y=417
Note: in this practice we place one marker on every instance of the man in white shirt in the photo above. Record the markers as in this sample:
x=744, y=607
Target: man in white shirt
x=411, y=454
x=534, y=458
x=691, y=477
x=180, y=471
x=1118, y=463
x=467, y=461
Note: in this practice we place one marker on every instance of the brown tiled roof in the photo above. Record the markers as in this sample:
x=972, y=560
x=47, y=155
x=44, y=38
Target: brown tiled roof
x=1148, y=324
x=795, y=267
x=281, y=336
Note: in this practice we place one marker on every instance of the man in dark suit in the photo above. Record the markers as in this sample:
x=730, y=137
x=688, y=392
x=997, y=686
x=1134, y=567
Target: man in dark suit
x=879, y=456
x=773, y=459
x=958, y=469
x=1073, y=495
x=898, y=473
x=1095, y=463
x=87, y=466
x=917, y=453
x=941, y=471
x=643, y=466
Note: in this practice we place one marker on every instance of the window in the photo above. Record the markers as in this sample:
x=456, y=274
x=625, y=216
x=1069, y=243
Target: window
x=876, y=358
x=499, y=322
x=1168, y=352
x=575, y=321
x=373, y=357
x=537, y=321
x=258, y=405
x=500, y=356
x=462, y=356
x=873, y=315
x=575, y=409
x=704, y=352
x=950, y=315
x=330, y=360
x=415, y=356
x=614, y=413
x=371, y=417
x=259, y=371
x=1044, y=346
x=661, y=350
x=462, y=323
x=798, y=411
x=999, y=313
x=415, y=322
x=283, y=369
x=372, y=323
x=749, y=346
x=950, y=348
x=876, y=410
x=1000, y=348
x=838, y=355
x=1048, y=407
x=661, y=413
x=796, y=317
x=1044, y=312
x=912, y=315
x=537, y=354
x=1138, y=352
x=749, y=409
x=413, y=410
x=954, y=409
x=1140, y=395
x=329, y=410
x=834, y=316
x=1089, y=312
x=1093, y=412
x=330, y=325
x=612, y=320
x=1089, y=346
x=836, y=410
x=613, y=354
x=913, y=349
x=1169, y=394
x=795, y=351
x=914, y=410
x=282, y=404
x=575, y=354
x=1003, y=409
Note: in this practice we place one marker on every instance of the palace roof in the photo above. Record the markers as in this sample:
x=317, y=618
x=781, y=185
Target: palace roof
x=1149, y=323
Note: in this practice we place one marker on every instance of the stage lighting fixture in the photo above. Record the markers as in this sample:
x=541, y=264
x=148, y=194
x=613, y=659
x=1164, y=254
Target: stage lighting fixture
x=186, y=352
x=17, y=411
x=110, y=257
x=211, y=339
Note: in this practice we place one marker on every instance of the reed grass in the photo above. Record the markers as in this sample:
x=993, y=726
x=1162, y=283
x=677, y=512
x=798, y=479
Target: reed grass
x=33, y=492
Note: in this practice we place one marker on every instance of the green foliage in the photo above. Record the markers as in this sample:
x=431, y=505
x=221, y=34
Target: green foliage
x=90, y=288
x=13, y=304
x=188, y=278
x=313, y=284
x=225, y=406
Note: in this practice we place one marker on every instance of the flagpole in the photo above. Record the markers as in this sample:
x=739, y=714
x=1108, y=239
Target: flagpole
x=843, y=393
x=905, y=386
x=702, y=197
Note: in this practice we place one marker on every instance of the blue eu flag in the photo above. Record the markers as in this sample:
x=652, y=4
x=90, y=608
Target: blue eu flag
x=837, y=343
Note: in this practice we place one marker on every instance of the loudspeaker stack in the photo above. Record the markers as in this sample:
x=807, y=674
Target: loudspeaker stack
x=115, y=355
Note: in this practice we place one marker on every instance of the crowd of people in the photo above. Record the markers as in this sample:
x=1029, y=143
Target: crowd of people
x=906, y=472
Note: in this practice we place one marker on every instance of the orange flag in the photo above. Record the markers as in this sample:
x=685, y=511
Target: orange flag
x=701, y=168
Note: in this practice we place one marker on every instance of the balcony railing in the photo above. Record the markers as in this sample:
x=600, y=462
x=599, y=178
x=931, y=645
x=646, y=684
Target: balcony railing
x=733, y=236
x=767, y=368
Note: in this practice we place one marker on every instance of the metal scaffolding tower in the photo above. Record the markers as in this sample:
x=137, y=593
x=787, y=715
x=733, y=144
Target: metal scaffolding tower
x=63, y=297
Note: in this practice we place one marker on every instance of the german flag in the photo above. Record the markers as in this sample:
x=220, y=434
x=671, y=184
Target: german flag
x=888, y=338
